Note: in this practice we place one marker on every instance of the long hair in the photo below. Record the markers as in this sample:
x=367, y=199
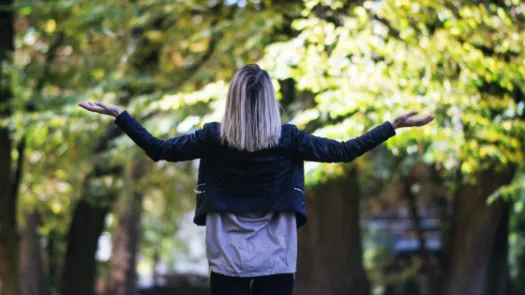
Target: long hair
x=252, y=119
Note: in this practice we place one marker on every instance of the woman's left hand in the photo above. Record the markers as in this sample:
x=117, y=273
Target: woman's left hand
x=101, y=108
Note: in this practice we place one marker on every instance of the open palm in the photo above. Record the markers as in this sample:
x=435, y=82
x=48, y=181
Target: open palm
x=406, y=120
x=101, y=108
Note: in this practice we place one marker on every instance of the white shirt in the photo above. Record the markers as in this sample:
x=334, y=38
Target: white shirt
x=251, y=244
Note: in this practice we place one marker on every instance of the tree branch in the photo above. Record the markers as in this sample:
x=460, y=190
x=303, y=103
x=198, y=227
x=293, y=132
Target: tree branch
x=51, y=54
x=214, y=40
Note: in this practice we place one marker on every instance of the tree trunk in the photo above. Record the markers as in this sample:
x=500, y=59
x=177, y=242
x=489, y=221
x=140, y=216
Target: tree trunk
x=518, y=286
x=78, y=274
x=122, y=276
x=31, y=265
x=155, y=271
x=8, y=234
x=472, y=235
x=498, y=278
x=52, y=262
x=330, y=252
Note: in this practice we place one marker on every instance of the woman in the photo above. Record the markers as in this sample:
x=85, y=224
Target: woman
x=251, y=178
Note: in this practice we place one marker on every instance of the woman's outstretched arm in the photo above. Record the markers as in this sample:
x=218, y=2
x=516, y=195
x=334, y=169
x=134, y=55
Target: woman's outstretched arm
x=319, y=149
x=180, y=148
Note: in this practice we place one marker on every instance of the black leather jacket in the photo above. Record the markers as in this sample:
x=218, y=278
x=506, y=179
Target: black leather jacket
x=235, y=181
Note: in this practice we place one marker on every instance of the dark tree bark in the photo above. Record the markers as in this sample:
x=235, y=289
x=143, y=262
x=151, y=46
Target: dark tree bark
x=52, y=261
x=32, y=280
x=8, y=231
x=518, y=286
x=122, y=276
x=154, y=271
x=78, y=274
x=473, y=234
x=8, y=226
x=330, y=252
x=498, y=277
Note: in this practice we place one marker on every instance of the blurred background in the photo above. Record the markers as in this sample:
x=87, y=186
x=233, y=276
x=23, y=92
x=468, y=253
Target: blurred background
x=437, y=210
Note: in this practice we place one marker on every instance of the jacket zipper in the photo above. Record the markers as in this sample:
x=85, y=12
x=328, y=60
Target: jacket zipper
x=196, y=189
x=299, y=190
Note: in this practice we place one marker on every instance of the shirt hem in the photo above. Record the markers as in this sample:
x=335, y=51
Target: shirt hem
x=252, y=274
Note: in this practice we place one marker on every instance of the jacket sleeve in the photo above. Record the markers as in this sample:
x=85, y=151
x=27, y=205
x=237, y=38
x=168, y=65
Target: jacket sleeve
x=180, y=148
x=319, y=149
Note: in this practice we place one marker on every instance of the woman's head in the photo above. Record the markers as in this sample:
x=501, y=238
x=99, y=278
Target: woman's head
x=252, y=120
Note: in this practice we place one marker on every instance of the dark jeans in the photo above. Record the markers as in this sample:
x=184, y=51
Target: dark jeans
x=281, y=284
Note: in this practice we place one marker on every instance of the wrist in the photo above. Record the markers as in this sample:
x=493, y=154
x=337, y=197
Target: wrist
x=116, y=113
x=394, y=125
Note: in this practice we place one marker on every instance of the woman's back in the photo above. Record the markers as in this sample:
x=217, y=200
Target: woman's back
x=268, y=180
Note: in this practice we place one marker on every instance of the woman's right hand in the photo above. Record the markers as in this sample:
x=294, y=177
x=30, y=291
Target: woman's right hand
x=101, y=108
x=406, y=120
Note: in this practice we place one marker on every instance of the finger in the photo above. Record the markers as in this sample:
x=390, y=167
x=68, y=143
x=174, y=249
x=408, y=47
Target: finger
x=92, y=108
x=103, y=105
x=410, y=114
x=87, y=106
x=422, y=121
x=96, y=107
x=110, y=109
x=427, y=119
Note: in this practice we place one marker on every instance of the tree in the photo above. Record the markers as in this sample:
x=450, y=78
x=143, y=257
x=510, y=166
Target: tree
x=8, y=184
x=330, y=252
x=32, y=281
x=474, y=229
x=121, y=274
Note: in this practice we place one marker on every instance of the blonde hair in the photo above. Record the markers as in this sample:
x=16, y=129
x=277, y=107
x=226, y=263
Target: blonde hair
x=252, y=119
